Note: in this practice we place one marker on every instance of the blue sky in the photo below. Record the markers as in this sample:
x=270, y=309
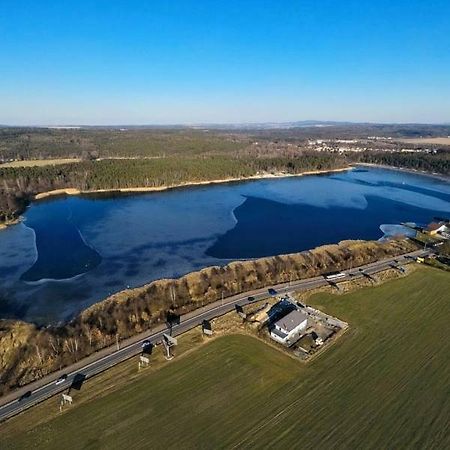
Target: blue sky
x=161, y=61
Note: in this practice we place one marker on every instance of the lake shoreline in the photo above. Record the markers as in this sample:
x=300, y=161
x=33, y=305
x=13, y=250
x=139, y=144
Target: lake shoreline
x=265, y=176
x=437, y=176
x=74, y=191
x=9, y=223
x=148, y=189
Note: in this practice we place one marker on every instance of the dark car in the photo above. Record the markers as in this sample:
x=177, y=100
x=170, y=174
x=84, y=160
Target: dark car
x=146, y=343
x=251, y=299
x=272, y=292
x=24, y=396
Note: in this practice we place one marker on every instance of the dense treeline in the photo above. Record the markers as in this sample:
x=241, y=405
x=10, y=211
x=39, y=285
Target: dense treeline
x=19, y=184
x=42, y=143
x=438, y=162
x=28, y=352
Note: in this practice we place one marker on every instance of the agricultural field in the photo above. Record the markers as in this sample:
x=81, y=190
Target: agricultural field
x=428, y=140
x=384, y=384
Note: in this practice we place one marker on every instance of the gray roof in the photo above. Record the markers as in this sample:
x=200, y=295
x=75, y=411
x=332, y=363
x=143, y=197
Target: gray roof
x=291, y=320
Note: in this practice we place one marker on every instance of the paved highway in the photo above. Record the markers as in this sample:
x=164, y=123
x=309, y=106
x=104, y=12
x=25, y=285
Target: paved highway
x=44, y=388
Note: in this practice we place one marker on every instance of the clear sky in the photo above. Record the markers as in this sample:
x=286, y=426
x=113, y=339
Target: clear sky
x=174, y=61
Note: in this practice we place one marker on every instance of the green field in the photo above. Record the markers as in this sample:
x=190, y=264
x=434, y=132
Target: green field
x=384, y=384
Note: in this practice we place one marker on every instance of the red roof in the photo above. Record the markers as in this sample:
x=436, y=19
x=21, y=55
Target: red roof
x=434, y=226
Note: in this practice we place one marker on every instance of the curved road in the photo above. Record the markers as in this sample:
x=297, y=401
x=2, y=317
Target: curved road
x=34, y=393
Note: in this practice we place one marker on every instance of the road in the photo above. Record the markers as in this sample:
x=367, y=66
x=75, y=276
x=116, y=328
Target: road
x=44, y=388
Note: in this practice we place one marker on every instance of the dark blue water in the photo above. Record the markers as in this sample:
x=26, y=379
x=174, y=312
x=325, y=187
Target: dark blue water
x=72, y=252
x=297, y=227
x=62, y=252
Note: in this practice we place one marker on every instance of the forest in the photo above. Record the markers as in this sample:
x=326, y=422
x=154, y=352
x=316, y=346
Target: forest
x=438, y=162
x=92, y=143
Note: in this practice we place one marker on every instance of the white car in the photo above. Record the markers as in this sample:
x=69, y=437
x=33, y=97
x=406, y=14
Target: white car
x=61, y=379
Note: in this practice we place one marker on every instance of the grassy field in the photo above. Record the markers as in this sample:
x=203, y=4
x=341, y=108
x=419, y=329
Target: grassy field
x=39, y=162
x=384, y=384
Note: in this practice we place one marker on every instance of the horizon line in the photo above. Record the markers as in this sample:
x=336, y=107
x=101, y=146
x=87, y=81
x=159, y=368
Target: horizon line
x=292, y=123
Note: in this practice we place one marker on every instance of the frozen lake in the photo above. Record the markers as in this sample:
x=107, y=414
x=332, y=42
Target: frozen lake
x=71, y=252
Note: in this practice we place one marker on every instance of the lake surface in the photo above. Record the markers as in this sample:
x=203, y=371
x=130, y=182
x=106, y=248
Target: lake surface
x=71, y=252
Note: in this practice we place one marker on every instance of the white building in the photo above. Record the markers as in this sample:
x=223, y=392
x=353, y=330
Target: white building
x=289, y=328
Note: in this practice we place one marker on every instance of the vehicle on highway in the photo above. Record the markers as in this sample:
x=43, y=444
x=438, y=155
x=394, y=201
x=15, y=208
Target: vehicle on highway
x=146, y=343
x=335, y=276
x=61, y=379
x=251, y=299
x=272, y=292
x=24, y=396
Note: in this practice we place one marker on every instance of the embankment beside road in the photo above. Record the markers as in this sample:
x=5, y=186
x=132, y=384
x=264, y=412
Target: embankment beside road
x=28, y=353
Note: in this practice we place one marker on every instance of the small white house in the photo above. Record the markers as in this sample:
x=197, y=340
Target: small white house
x=437, y=228
x=289, y=328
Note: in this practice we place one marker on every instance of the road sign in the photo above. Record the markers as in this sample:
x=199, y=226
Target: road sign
x=240, y=311
x=207, y=328
x=67, y=399
x=169, y=340
x=144, y=361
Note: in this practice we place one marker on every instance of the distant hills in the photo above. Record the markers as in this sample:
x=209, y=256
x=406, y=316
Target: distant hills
x=271, y=125
x=238, y=126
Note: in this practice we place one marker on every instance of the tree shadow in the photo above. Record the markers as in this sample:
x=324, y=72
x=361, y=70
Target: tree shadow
x=77, y=382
